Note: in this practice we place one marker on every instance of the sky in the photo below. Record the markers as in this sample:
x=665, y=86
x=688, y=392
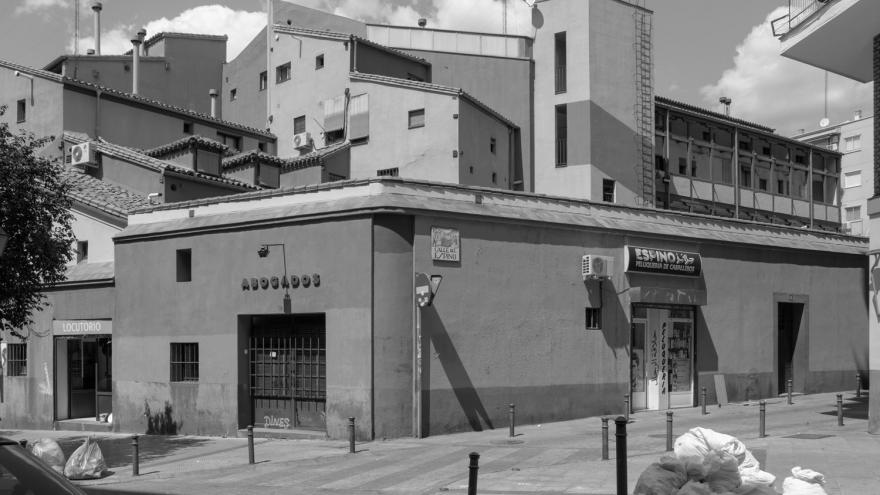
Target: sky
x=703, y=49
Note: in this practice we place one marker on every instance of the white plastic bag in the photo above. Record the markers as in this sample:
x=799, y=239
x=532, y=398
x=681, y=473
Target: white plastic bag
x=804, y=482
x=49, y=452
x=86, y=462
x=698, y=442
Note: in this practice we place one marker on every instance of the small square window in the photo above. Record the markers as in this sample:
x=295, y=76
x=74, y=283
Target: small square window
x=21, y=111
x=233, y=94
x=282, y=73
x=187, y=127
x=417, y=118
x=263, y=80
x=593, y=319
x=319, y=62
x=492, y=144
x=184, y=265
x=82, y=251
x=184, y=362
x=608, y=190
x=261, y=146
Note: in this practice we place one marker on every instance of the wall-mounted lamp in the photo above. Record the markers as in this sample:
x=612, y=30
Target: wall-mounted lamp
x=263, y=252
x=18, y=73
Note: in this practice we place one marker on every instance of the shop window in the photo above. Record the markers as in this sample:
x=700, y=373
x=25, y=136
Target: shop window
x=492, y=144
x=722, y=167
x=416, y=118
x=593, y=319
x=608, y=190
x=799, y=183
x=16, y=360
x=20, y=111
x=852, y=179
x=852, y=143
x=263, y=80
x=561, y=135
x=319, y=61
x=82, y=251
x=282, y=73
x=233, y=94
x=184, y=362
x=560, y=57
x=184, y=265
x=299, y=124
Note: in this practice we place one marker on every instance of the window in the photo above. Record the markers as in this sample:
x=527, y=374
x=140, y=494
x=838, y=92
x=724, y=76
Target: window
x=745, y=172
x=494, y=178
x=187, y=128
x=608, y=190
x=762, y=174
x=781, y=173
x=561, y=135
x=388, y=172
x=184, y=265
x=560, y=57
x=852, y=143
x=799, y=183
x=852, y=179
x=263, y=80
x=234, y=142
x=282, y=73
x=700, y=162
x=492, y=143
x=722, y=169
x=299, y=124
x=16, y=360
x=593, y=319
x=184, y=362
x=852, y=213
x=417, y=118
x=261, y=146
x=82, y=251
x=233, y=94
x=21, y=108
x=319, y=62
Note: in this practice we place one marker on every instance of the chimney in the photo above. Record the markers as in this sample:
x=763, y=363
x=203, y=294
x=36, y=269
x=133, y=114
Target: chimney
x=136, y=58
x=213, y=93
x=423, y=22
x=96, y=7
x=857, y=115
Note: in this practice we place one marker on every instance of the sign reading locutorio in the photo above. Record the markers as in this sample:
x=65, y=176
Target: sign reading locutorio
x=663, y=261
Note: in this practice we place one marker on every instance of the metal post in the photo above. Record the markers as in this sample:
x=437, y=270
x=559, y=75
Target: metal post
x=351, y=435
x=135, y=463
x=839, y=409
x=512, y=417
x=788, y=387
x=858, y=385
x=626, y=407
x=668, y=431
x=604, y=438
x=250, y=444
x=620, y=437
x=762, y=429
x=703, y=400
x=472, y=473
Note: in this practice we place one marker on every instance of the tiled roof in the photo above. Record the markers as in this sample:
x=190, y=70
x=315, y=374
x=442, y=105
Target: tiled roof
x=347, y=37
x=185, y=142
x=156, y=37
x=31, y=71
x=134, y=156
x=108, y=197
x=313, y=158
x=252, y=156
x=90, y=272
x=436, y=88
x=710, y=113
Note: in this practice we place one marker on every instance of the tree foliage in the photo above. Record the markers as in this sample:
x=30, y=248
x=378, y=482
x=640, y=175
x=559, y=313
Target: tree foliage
x=35, y=213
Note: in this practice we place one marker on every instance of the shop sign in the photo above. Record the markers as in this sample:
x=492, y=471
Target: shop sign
x=663, y=261
x=284, y=282
x=82, y=327
x=445, y=244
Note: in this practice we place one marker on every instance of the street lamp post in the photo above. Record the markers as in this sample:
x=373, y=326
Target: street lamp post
x=263, y=252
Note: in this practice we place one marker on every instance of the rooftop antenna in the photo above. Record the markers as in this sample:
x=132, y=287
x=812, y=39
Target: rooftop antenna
x=726, y=102
x=75, y=27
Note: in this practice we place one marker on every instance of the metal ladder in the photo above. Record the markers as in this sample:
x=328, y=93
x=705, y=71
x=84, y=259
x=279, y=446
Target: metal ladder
x=644, y=105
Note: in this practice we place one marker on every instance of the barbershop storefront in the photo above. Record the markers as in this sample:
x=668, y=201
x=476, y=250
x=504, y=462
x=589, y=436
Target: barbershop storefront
x=83, y=368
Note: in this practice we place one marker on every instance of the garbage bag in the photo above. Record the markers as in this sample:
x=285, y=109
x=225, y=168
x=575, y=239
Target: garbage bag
x=804, y=482
x=86, y=462
x=722, y=472
x=693, y=487
x=661, y=478
x=49, y=452
x=698, y=442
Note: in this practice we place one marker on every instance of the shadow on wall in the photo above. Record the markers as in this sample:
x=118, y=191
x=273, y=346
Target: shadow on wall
x=434, y=331
x=617, y=334
x=161, y=423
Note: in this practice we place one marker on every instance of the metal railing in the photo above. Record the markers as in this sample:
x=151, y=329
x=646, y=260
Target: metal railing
x=798, y=12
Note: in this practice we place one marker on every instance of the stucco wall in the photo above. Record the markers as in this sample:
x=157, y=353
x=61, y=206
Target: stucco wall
x=41, y=118
x=133, y=177
x=178, y=188
x=97, y=232
x=371, y=60
x=476, y=129
x=243, y=74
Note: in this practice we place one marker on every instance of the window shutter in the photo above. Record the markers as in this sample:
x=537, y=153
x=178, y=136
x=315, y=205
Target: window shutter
x=359, y=108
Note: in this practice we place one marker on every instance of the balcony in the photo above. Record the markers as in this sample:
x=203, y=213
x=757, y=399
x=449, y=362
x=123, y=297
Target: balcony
x=798, y=12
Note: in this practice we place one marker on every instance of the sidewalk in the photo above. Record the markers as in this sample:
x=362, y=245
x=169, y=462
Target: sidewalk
x=563, y=457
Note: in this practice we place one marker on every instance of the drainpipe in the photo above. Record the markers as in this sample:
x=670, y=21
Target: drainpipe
x=213, y=93
x=96, y=7
x=136, y=58
x=98, y=94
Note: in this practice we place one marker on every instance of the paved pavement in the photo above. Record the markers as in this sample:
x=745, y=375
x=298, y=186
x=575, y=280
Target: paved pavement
x=555, y=458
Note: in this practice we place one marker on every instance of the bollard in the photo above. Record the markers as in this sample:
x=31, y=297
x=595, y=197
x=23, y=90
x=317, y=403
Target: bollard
x=858, y=385
x=135, y=463
x=703, y=400
x=668, y=431
x=763, y=414
x=626, y=406
x=788, y=387
x=250, y=429
x=620, y=438
x=351, y=435
x=512, y=417
x=604, y=438
x=472, y=473
x=839, y=409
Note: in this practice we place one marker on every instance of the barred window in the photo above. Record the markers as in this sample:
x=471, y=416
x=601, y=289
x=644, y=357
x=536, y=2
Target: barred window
x=184, y=362
x=16, y=360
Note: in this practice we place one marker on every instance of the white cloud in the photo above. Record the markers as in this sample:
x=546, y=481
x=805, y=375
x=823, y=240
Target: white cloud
x=30, y=6
x=240, y=26
x=768, y=89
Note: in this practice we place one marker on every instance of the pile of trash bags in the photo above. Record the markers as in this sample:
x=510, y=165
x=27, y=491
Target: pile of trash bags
x=86, y=462
x=706, y=462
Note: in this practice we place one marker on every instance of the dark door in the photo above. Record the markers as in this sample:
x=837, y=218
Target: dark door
x=81, y=359
x=788, y=332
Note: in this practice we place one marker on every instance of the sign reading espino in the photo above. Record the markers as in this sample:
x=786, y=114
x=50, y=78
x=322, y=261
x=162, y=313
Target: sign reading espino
x=284, y=282
x=663, y=261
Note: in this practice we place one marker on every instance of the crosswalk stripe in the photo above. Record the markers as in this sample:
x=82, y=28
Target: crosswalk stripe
x=451, y=471
x=390, y=468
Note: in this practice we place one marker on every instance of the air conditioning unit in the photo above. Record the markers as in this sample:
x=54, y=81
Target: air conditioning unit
x=302, y=140
x=83, y=154
x=593, y=266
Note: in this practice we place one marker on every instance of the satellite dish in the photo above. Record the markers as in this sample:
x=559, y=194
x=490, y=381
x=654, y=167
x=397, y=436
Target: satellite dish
x=824, y=122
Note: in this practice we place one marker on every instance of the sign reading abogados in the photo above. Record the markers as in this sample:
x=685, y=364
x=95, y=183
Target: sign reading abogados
x=82, y=327
x=663, y=261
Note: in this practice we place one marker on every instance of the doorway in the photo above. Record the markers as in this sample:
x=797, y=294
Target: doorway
x=84, y=377
x=288, y=371
x=791, y=345
x=662, y=357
